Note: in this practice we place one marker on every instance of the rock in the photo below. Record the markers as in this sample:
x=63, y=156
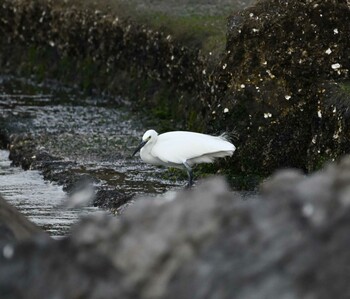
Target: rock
x=3, y=136
x=22, y=150
x=290, y=241
x=111, y=199
x=14, y=226
x=282, y=84
x=52, y=269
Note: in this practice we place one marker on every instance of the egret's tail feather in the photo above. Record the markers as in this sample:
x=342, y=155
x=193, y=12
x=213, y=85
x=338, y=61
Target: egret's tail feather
x=209, y=158
x=229, y=136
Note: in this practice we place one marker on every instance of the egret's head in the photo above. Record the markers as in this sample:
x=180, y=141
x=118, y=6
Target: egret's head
x=150, y=135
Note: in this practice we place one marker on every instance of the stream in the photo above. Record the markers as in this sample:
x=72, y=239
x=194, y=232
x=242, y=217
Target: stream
x=93, y=136
x=37, y=199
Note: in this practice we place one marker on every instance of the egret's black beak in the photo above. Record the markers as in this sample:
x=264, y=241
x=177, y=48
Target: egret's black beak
x=139, y=147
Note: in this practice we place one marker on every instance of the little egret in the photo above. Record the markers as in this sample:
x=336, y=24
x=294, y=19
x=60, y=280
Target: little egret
x=183, y=149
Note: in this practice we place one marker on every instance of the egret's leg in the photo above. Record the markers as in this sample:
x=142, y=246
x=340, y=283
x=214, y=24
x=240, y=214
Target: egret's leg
x=190, y=175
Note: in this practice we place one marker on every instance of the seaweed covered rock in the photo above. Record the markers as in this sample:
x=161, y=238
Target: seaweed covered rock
x=280, y=85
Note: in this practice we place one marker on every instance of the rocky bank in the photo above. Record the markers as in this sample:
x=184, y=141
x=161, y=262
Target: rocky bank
x=284, y=82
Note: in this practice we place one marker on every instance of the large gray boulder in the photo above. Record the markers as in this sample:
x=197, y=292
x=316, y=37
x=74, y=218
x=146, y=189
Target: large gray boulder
x=290, y=241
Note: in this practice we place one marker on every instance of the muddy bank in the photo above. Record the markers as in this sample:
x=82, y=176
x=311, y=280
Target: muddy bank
x=206, y=243
x=281, y=85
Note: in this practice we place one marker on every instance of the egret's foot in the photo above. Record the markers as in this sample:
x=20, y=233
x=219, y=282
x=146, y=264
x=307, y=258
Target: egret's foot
x=188, y=186
x=190, y=176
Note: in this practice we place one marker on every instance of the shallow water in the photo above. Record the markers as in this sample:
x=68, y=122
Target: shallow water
x=39, y=200
x=95, y=136
x=98, y=135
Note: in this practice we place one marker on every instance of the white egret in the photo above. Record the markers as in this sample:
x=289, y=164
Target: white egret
x=183, y=149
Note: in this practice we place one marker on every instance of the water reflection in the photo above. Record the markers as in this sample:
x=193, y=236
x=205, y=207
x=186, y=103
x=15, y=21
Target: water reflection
x=39, y=200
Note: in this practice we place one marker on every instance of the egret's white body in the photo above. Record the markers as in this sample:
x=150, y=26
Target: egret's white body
x=183, y=149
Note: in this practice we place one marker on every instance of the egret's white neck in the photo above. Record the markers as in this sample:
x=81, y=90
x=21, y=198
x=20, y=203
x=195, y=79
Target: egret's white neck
x=150, y=143
x=146, y=152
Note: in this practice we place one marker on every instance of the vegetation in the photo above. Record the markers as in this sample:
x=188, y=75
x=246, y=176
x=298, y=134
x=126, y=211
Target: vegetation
x=191, y=24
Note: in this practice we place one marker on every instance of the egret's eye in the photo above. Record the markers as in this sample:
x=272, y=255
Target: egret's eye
x=149, y=137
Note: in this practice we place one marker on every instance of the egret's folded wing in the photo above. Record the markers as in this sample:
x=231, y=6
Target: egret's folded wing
x=177, y=147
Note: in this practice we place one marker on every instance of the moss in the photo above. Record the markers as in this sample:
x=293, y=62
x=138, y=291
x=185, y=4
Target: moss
x=345, y=87
x=88, y=70
x=174, y=174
